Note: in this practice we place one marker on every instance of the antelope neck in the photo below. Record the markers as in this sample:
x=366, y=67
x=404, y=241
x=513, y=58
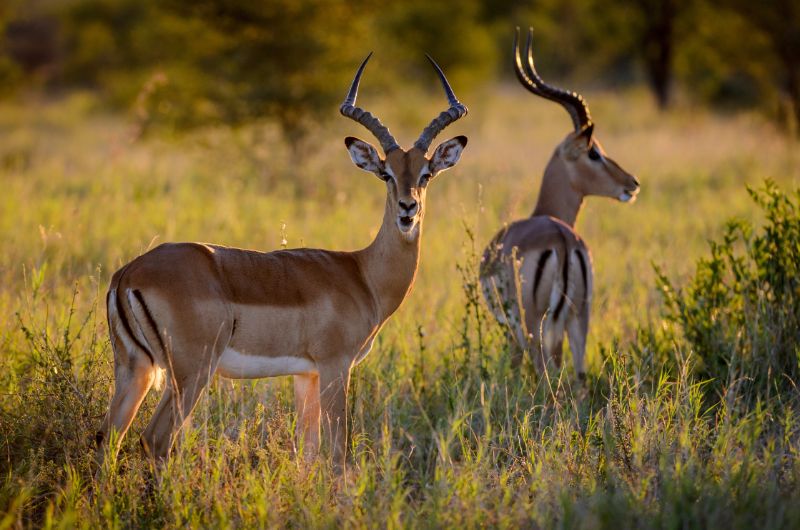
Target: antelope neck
x=557, y=197
x=389, y=264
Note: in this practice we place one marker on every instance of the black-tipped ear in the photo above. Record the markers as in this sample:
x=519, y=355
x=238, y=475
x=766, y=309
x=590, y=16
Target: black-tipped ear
x=349, y=141
x=462, y=139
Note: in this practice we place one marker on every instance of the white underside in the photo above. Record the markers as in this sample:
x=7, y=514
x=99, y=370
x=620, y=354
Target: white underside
x=237, y=365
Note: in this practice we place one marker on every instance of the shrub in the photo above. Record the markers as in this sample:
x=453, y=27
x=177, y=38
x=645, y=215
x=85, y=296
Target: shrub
x=740, y=313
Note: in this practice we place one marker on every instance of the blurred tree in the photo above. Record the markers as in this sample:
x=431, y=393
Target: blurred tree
x=652, y=28
x=613, y=41
x=560, y=36
x=191, y=62
x=28, y=45
x=779, y=21
x=714, y=63
x=453, y=33
x=657, y=43
x=31, y=43
x=289, y=59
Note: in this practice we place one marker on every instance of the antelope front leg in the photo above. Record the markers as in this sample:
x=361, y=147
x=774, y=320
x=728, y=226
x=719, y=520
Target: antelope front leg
x=306, y=402
x=333, y=384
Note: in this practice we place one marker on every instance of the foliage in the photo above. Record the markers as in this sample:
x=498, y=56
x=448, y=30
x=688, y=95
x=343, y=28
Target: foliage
x=740, y=313
x=182, y=64
x=439, y=29
x=185, y=63
x=777, y=25
x=216, y=61
x=718, y=68
x=283, y=58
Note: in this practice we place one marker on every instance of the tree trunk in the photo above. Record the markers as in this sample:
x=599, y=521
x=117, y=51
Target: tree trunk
x=779, y=21
x=793, y=87
x=658, y=46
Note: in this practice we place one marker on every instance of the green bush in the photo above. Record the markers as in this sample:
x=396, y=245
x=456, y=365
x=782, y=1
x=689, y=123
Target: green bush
x=740, y=313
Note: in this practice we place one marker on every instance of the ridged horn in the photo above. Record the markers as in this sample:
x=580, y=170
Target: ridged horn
x=574, y=103
x=372, y=123
x=457, y=110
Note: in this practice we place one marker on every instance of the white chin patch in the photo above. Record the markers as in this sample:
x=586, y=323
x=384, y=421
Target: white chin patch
x=408, y=227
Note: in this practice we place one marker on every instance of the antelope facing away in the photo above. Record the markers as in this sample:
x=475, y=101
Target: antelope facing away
x=536, y=273
x=195, y=309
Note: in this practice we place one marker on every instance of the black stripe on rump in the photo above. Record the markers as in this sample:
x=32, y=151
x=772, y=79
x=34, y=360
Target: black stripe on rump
x=565, y=272
x=127, y=326
x=108, y=307
x=150, y=319
x=540, y=270
x=584, y=272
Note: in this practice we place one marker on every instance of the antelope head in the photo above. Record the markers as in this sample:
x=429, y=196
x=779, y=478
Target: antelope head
x=579, y=157
x=406, y=173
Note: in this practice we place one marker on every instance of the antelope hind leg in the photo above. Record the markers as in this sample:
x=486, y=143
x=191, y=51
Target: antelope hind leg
x=577, y=328
x=173, y=411
x=133, y=378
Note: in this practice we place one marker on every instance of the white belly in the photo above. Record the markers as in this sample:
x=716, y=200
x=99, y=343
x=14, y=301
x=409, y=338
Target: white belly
x=237, y=365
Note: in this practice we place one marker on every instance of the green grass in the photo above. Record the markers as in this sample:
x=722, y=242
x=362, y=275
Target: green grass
x=443, y=434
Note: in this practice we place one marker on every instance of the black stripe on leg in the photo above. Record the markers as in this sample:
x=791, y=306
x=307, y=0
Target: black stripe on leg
x=540, y=270
x=127, y=327
x=150, y=320
x=563, y=299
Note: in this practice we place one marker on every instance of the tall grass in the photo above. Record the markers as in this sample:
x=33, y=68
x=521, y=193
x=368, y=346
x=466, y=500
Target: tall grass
x=664, y=434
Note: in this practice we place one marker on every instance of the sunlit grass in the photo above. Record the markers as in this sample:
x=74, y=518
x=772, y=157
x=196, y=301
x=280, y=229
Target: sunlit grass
x=442, y=433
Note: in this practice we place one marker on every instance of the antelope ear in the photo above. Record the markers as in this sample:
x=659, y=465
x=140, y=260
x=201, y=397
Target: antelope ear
x=586, y=133
x=577, y=142
x=365, y=156
x=447, y=154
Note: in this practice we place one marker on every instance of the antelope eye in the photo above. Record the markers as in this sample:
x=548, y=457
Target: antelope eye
x=425, y=178
x=594, y=154
x=385, y=176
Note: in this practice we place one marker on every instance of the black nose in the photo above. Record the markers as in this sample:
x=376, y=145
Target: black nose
x=635, y=181
x=407, y=205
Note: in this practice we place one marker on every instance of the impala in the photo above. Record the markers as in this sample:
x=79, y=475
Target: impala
x=194, y=309
x=536, y=273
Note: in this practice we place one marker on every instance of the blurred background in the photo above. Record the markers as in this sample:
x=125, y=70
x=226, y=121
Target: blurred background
x=184, y=63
